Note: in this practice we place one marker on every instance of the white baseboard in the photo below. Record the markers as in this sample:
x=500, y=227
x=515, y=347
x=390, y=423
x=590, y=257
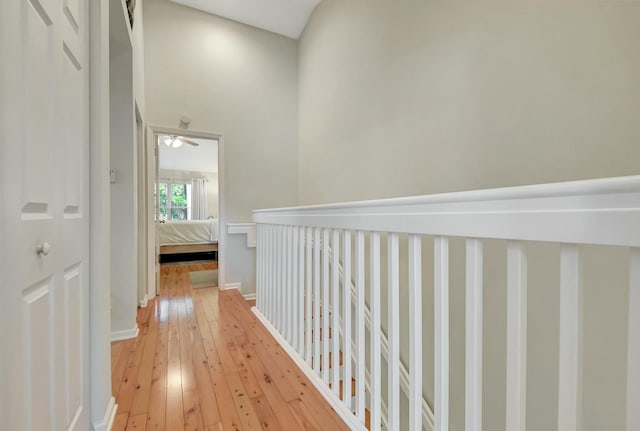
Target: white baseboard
x=230, y=286
x=342, y=411
x=125, y=334
x=249, y=296
x=144, y=301
x=107, y=422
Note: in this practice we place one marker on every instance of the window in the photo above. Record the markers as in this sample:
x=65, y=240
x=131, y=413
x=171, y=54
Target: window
x=175, y=200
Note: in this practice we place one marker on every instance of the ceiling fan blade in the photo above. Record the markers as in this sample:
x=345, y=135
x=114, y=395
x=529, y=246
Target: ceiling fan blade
x=188, y=141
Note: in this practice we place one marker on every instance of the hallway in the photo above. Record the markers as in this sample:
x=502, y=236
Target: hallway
x=202, y=361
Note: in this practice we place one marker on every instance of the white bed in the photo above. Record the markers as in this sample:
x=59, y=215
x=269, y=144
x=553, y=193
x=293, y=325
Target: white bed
x=188, y=232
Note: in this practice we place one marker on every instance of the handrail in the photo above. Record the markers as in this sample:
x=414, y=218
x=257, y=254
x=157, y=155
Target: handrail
x=603, y=211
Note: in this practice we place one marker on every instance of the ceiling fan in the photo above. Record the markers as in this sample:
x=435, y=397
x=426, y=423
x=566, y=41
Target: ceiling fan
x=175, y=141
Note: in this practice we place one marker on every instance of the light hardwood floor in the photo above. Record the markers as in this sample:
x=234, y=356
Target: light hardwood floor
x=202, y=361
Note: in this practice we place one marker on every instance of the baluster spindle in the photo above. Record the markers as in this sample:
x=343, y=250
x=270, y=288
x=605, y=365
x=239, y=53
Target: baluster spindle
x=375, y=333
x=393, y=319
x=473, y=369
x=335, y=305
x=316, y=300
x=308, y=297
x=570, y=365
x=294, y=288
x=633, y=351
x=300, y=289
x=346, y=320
x=325, y=305
x=441, y=325
x=516, y=336
x=415, y=333
x=360, y=322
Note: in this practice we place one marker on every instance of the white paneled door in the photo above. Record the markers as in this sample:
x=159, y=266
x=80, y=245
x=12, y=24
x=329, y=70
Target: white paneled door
x=44, y=157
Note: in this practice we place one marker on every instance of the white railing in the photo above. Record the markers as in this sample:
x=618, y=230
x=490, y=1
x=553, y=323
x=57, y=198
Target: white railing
x=311, y=282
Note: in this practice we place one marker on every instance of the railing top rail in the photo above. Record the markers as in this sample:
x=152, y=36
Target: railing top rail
x=601, y=211
x=600, y=186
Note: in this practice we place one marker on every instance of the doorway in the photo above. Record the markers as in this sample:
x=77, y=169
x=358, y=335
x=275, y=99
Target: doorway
x=188, y=197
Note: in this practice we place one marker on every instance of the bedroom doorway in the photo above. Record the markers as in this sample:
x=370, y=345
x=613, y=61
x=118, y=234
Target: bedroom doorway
x=187, y=199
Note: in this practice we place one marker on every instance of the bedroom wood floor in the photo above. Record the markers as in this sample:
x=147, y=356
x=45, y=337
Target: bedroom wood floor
x=202, y=361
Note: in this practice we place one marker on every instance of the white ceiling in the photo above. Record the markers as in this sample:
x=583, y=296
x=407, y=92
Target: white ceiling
x=203, y=158
x=286, y=17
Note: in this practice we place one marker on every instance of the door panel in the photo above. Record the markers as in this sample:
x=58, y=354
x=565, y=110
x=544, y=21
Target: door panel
x=44, y=149
x=38, y=86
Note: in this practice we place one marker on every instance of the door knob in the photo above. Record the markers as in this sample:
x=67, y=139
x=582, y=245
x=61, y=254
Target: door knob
x=44, y=249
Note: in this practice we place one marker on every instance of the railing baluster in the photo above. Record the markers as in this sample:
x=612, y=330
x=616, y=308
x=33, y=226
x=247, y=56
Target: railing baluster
x=375, y=332
x=325, y=305
x=308, y=297
x=259, y=245
x=268, y=295
x=288, y=312
x=633, y=351
x=473, y=369
x=516, y=336
x=393, y=319
x=441, y=326
x=360, y=322
x=274, y=276
x=335, y=304
x=570, y=370
x=415, y=333
x=294, y=288
x=346, y=320
x=300, y=290
x=316, y=300
x=282, y=300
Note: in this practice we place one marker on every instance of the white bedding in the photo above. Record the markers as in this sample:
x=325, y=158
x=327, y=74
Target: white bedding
x=188, y=232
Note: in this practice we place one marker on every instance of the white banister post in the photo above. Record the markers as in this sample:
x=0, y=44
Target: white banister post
x=570, y=365
x=360, y=323
x=516, y=336
x=316, y=300
x=346, y=320
x=633, y=351
x=308, y=319
x=294, y=289
x=325, y=306
x=335, y=304
x=375, y=333
x=441, y=326
x=301, y=290
x=473, y=369
x=393, y=322
x=415, y=333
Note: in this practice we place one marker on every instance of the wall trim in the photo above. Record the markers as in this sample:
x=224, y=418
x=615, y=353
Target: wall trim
x=143, y=302
x=248, y=229
x=249, y=296
x=110, y=414
x=125, y=334
x=230, y=286
x=345, y=414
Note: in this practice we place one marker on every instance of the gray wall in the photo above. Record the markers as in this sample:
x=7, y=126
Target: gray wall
x=234, y=80
x=411, y=97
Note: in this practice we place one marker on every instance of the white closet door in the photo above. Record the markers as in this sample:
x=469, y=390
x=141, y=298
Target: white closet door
x=44, y=214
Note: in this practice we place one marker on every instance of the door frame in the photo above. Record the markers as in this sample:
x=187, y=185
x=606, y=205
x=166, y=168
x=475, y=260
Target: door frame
x=152, y=131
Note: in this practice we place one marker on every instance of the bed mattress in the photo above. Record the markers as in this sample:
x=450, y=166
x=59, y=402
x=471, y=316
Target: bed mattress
x=188, y=232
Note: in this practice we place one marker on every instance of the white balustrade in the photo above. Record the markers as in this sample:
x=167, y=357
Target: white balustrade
x=304, y=259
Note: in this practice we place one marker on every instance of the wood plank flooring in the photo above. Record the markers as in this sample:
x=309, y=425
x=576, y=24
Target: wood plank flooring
x=202, y=361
